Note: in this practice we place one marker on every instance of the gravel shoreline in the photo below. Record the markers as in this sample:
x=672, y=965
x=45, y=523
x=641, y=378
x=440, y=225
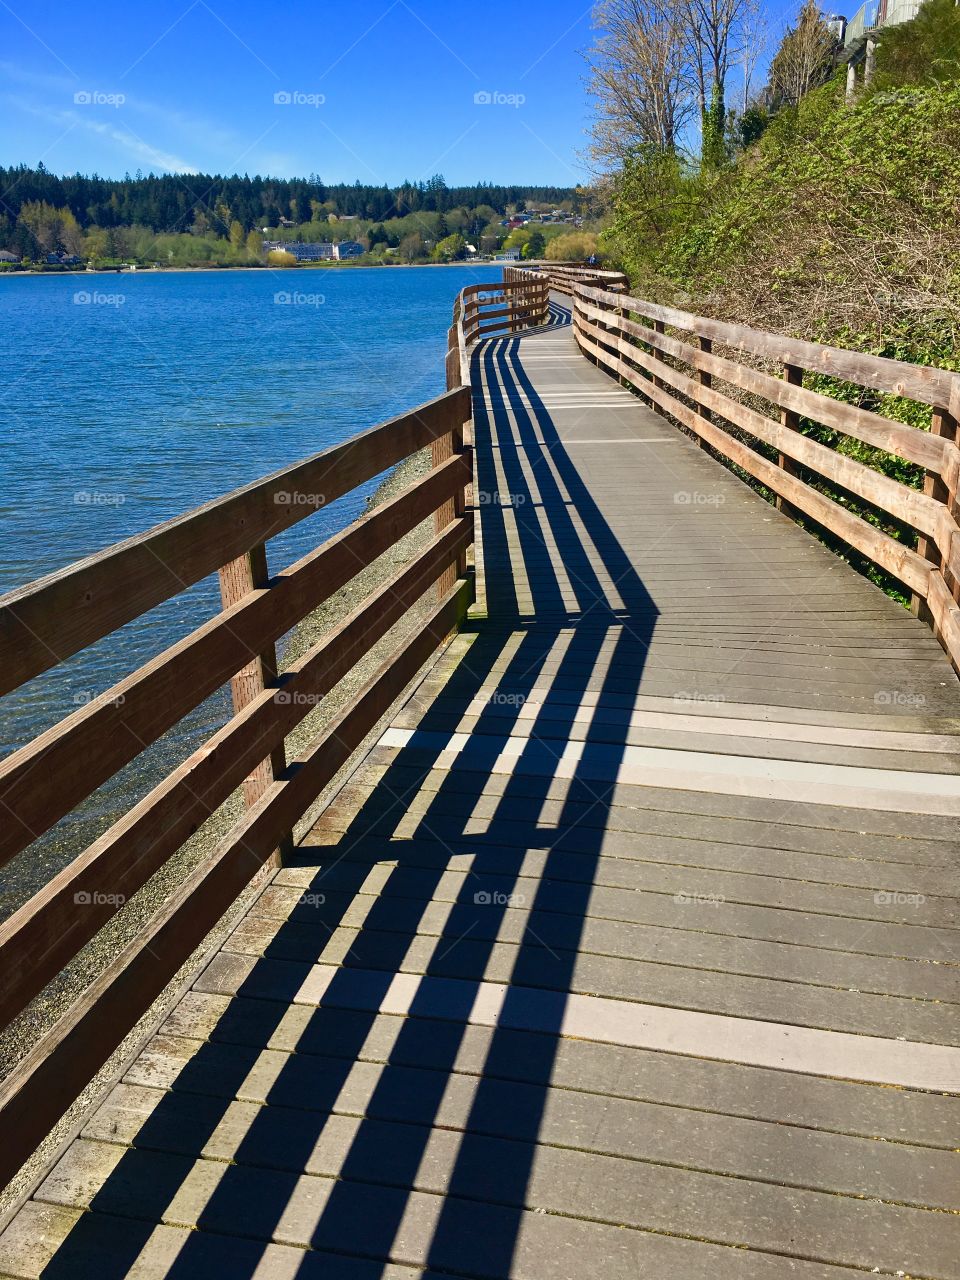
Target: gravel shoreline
x=22, y=1034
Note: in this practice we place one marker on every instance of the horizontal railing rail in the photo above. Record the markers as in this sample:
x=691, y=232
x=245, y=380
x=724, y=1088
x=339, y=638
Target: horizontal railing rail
x=709, y=376
x=875, y=14
x=562, y=276
x=483, y=310
x=46, y=622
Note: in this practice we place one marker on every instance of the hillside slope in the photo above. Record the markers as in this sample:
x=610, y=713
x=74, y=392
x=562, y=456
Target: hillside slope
x=840, y=224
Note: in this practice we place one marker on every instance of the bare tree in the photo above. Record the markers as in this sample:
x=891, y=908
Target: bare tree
x=657, y=63
x=805, y=57
x=638, y=78
x=715, y=37
x=753, y=44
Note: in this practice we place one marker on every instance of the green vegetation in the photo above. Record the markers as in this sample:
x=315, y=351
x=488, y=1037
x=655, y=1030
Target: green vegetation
x=829, y=220
x=573, y=246
x=158, y=220
x=839, y=224
x=451, y=248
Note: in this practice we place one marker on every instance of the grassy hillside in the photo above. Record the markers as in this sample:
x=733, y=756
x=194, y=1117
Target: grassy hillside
x=840, y=224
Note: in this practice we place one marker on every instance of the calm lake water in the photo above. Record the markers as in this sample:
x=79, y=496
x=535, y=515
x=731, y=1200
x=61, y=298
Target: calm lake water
x=128, y=399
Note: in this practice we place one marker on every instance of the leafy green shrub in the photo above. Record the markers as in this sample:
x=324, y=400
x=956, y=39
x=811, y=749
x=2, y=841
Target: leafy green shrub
x=838, y=225
x=924, y=51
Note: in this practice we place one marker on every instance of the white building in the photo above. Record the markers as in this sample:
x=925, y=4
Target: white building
x=302, y=252
x=323, y=251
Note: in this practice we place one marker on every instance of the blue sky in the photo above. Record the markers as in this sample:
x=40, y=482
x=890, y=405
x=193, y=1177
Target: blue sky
x=378, y=92
x=198, y=80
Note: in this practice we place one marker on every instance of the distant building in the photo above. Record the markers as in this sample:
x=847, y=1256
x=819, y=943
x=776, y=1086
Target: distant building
x=860, y=36
x=874, y=14
x=324, y=251
x=7, y=256
x=61, y=259
x=508, y=255
x=319, y=252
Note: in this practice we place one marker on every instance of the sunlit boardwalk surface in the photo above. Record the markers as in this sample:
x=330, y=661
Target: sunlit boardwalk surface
x=629, y=950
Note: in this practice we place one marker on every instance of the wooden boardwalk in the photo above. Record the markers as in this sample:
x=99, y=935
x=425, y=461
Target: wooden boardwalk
x=630, y=949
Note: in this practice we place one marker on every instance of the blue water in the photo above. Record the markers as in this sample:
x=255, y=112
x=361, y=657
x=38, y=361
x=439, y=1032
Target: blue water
x=193, y=384
x=165, y=390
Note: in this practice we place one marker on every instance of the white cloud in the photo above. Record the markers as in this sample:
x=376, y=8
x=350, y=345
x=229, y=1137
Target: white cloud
x=226, y=143
x=125, y=138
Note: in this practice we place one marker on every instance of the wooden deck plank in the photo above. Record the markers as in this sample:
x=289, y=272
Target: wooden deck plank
x=702, y=944
x=629, y=949
x=661, y=810
x=578, y=1192
x=196, y=1124
x=546, y=1246
x=812, y=1103
x=563, y=961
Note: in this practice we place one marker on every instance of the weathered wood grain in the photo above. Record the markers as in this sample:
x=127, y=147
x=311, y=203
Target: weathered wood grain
x=40, y=938
x=47, y=1081
x=49, y=776
x=44, y=623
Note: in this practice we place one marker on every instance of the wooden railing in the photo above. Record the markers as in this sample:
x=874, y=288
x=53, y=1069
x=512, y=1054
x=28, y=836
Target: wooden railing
x=482, y=310
x=43, y=624
x=563, y=276
x=714, y=378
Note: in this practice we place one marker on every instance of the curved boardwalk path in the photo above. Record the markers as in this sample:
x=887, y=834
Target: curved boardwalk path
x=628, y=951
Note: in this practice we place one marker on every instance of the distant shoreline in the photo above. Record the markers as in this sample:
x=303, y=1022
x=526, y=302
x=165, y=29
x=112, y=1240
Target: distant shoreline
x=334, y=266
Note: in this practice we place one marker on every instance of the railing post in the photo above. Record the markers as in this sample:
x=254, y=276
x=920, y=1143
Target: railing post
x=791, y=420
x=943, y=424
x=453, y=351
x=238, y=579
x=704, y=379
x=615, y=328
x=658, y=327
x=441, y=450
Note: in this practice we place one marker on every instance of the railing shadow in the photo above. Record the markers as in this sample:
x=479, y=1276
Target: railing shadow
x=568, y=614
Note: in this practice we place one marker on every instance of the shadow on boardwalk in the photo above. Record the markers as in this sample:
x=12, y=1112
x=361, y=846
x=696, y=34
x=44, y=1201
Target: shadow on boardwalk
x=362, y=1214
